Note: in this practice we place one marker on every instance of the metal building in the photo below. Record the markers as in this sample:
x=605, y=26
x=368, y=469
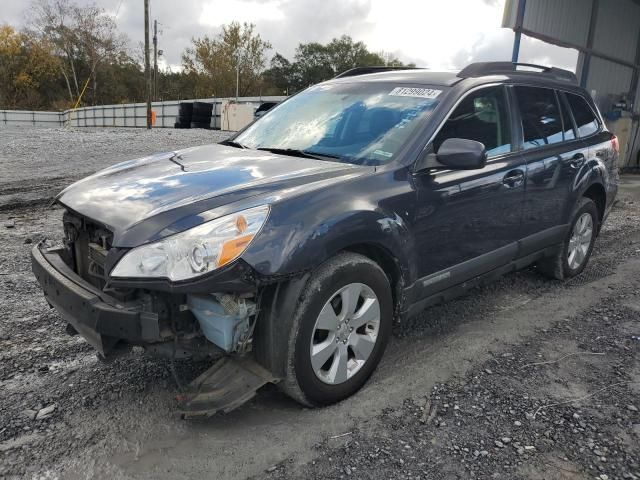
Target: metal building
x=606, y=33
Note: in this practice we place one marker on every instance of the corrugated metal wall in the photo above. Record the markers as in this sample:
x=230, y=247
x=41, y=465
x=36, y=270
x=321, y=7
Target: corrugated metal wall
x=617, y=29
x=562, y=19
x=567, y=22
x=608, y=79
x=613, y=52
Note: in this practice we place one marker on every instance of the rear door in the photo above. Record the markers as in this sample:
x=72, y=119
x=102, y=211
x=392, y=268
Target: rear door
x=553, y=156
x=471, y=216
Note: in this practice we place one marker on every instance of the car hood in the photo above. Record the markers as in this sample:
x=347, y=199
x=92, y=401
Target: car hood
x=173, y=187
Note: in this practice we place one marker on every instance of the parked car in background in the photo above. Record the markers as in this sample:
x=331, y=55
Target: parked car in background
x=293, y=246
x=263, y=108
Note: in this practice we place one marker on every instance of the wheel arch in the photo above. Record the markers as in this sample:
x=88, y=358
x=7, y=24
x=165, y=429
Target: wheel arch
x=598, y=194
x=279, y=302
x=390, y=266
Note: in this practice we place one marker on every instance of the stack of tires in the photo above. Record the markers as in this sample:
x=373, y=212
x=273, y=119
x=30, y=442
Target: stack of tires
x=185, y=115
x=201, y=117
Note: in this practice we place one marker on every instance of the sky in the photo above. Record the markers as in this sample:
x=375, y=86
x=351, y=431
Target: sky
x=439, y=34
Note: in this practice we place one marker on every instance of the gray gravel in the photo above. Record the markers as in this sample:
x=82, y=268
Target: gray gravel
x=513, y=416
x=560, y=404
x=454, y=396
x=38, y=162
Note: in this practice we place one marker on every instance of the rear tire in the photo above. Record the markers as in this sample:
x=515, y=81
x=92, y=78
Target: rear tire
x=576, y=249
x=328, y=322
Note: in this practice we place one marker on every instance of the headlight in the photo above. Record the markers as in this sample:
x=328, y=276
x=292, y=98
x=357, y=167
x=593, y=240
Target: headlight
x=196, y=251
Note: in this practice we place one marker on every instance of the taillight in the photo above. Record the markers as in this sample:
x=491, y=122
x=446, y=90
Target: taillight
x=615, y=144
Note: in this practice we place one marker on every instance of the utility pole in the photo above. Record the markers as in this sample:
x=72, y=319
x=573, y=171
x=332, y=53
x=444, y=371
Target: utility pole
x=155, y=60
x=147, y=67
x=237, y=72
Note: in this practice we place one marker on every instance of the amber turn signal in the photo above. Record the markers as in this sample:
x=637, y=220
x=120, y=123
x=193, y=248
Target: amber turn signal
x=233, y=248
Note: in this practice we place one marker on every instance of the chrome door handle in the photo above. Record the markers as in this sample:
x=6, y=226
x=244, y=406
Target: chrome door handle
x=576, y=161
x=513, y=179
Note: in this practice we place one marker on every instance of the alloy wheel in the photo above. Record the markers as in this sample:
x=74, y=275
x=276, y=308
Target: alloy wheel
x=345, y=333
x=580, y=241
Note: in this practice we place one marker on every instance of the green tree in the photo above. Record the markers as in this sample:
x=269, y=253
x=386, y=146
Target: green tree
x=213, y=61
x=315, y=62
x=27, y=66
x=281, y=76
x=84, y=38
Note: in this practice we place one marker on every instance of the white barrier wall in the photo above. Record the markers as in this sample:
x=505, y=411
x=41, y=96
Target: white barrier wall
x=28, y=117
x=124, y=115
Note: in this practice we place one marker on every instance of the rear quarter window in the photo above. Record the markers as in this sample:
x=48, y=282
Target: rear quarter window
x=585, y=119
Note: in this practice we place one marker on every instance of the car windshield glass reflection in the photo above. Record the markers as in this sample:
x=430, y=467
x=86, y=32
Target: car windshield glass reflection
x=359, y=123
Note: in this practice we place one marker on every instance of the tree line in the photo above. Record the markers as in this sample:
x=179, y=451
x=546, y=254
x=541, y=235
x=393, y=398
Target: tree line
x=68, y=52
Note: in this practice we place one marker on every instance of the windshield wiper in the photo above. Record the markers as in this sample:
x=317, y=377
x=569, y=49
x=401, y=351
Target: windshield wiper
x=232, y=143
x=293, y=152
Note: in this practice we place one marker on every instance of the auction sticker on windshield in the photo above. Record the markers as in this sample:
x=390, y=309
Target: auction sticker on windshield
x=415, y=92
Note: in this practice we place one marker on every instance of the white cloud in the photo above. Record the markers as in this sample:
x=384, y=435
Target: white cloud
x=433, y=33
x=216, y=13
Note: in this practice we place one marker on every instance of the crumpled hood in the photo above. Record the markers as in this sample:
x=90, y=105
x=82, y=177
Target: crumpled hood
x=126, y=194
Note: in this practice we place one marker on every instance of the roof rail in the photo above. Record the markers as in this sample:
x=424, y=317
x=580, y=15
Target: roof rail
x=352, y=72
x=481, y=69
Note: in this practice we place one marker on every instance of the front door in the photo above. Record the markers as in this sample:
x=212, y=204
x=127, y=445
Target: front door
x=470, y=219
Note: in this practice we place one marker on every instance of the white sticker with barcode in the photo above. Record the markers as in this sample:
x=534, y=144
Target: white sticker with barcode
x=415, y=92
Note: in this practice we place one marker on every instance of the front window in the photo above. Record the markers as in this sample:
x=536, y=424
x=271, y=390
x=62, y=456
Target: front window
x=481, y=116
x=359, y=123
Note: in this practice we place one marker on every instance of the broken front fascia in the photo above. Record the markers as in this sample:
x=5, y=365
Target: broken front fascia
x=225, y=320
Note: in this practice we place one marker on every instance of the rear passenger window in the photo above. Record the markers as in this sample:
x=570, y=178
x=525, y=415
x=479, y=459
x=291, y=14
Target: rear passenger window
x=583, y=115
x=541, y=121
x=481, y=116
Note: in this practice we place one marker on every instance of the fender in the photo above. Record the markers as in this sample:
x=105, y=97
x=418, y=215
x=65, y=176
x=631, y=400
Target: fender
x=593, y=172
x=298, y=239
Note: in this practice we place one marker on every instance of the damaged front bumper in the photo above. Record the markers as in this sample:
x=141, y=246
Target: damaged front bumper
x=101, y=319
x=104, y=322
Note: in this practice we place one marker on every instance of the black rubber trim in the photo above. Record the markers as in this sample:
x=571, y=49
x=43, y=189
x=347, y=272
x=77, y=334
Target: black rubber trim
x=487, y=277
x=518, y=254
x=537, y=241
x=277, y=310
x=449, y=277
x=99, y=318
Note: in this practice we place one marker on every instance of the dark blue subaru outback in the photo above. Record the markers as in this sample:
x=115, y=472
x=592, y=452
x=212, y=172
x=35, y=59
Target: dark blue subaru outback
x=287, y=251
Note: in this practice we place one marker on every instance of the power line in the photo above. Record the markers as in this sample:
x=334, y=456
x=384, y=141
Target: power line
x=118, y=9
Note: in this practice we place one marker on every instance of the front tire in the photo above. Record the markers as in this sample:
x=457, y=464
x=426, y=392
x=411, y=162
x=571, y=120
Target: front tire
x=576, y=250
x=340, y=330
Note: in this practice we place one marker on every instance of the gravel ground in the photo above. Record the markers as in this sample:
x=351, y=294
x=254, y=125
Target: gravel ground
x=462, y=392
x=39, y=162
x=563, y=403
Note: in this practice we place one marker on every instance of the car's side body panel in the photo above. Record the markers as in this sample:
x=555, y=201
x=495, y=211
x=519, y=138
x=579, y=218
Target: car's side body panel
x=493, y=228
x=304, y=231
x=456, y=218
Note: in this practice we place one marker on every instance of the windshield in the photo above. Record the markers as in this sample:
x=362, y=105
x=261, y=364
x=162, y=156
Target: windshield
x=360, y=123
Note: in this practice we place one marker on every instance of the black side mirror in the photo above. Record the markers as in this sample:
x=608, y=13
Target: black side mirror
x=462, y=154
